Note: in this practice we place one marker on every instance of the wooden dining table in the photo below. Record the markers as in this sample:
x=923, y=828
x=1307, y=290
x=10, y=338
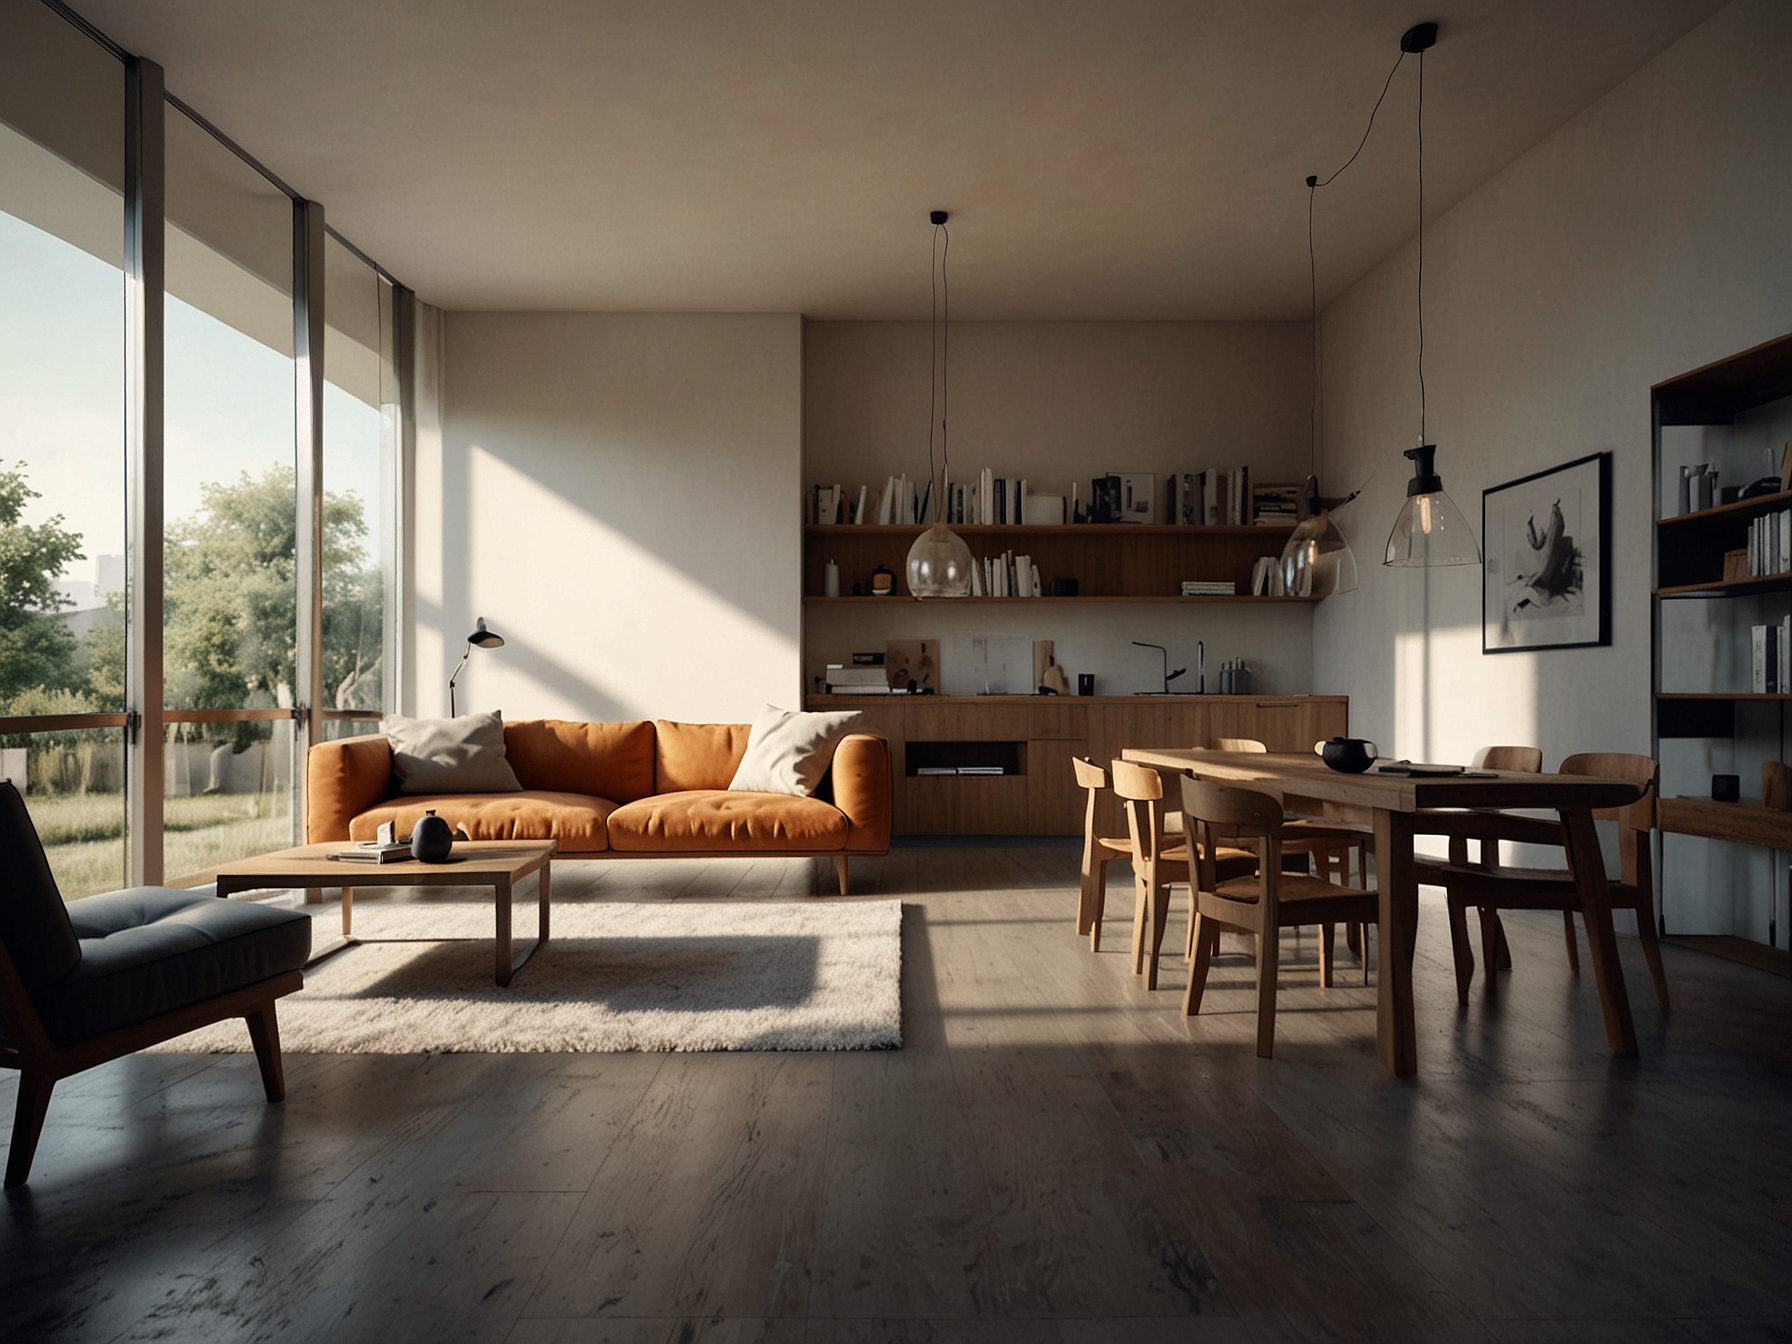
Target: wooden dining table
x=1397, y=804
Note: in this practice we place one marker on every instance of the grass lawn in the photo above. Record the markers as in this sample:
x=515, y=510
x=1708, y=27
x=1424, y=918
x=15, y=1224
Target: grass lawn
x=83, y=834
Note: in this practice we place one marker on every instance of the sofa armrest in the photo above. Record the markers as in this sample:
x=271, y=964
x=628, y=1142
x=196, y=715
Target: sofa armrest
x=342, y=780
x=863, y=786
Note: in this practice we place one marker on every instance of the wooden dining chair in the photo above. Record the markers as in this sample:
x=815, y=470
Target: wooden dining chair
x=1098, y=852
x=1490, y=887
x=1159, y=857
x=1329, y=844
x=1261, y=904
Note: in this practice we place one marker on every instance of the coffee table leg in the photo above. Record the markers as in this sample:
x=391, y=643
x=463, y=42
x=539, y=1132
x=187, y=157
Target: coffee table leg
x=501, y=890
x=348, y=911
x=1396, y=1032
x=541, y=934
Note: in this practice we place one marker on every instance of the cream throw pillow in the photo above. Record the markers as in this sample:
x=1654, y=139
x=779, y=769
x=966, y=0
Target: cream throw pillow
x=464, y=755
x=789, y=752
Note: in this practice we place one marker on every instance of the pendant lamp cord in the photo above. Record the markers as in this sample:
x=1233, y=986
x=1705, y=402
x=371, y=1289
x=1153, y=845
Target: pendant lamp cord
x=1421, y=287
x=938, y=392
x=1313, y=185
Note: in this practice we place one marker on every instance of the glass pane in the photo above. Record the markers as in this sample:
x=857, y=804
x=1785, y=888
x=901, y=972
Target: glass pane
x=73, y=784
x=228, y=793
x=62, y=482
x=230, y=592
x=360, y=434
x=337, y=729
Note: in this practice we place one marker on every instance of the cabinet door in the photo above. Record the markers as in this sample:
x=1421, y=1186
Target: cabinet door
x=1054, y=800
x=1293, y=725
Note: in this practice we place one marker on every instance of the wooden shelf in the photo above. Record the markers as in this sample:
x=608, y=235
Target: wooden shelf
x=1772, y=583
x=1742, y=509
x=1739, y=823
x=1718, y=695
x=912, y=530
x=904, y=597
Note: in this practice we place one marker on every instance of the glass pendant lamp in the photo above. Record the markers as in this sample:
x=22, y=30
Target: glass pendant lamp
x=939, y=563
x=1430, y=529
x=1318, y=561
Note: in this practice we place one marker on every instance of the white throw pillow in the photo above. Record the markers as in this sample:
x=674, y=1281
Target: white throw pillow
x=789, y=752
x=464, y=755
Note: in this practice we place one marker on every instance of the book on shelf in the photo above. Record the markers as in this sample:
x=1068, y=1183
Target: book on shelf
x=936, y=770
x=856, y=676
x=1273, y=505
x=981, y=770
x=1209, y=588
x=865, y=690
x=372, y=851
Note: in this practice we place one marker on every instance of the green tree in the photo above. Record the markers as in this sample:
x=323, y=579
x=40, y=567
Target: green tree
x=36, y=649
x=231, y=599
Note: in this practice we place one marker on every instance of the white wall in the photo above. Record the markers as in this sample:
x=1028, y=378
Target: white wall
x=1646, y=237
x=1056, y=402
x=616, y=495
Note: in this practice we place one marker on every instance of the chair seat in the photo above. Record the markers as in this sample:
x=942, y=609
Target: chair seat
x=1300, y=898
x=1297, y=829
x=1519, y=888
x=150, y=950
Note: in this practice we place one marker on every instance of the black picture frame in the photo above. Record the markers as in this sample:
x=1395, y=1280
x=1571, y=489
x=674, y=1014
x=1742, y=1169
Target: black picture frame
x=1534, y=538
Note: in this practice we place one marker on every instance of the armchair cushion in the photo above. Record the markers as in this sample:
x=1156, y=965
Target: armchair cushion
x=149, y=950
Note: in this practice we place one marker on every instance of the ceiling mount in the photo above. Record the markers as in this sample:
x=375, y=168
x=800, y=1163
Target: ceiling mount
x=1419, y=37
x=939, y=216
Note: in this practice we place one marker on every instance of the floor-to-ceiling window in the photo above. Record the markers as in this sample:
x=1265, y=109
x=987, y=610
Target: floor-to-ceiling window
x=230, y=581
x=62, y=443
x=360, y=448
x=236, y=408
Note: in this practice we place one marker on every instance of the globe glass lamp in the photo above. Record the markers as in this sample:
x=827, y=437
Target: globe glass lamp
x=939, y=564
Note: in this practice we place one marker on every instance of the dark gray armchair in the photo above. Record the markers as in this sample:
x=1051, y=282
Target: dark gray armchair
x=109, y=975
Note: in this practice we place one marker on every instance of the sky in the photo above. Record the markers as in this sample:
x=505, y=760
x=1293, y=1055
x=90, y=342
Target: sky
x=229, y=398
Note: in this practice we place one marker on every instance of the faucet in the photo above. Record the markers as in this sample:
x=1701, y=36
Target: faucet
x=1200, y=667
x=1169, y=676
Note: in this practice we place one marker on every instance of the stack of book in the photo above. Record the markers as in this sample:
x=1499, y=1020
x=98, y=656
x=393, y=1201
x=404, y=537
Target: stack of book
x=990, y=499
x=857, y=680
x=1006, y=575
x=1210, y=498
x=1771, y=646
x=1770, y=544
x=1209, y=588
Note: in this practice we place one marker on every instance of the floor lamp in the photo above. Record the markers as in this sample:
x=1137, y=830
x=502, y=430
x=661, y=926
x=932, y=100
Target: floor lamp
x=480, y=638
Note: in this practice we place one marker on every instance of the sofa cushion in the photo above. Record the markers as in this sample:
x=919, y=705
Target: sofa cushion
x=150, y=950
x=576, y=820
x=789, y=751
x=463, y=755
x=697, y=755
x=604, y=760
x=719, y=820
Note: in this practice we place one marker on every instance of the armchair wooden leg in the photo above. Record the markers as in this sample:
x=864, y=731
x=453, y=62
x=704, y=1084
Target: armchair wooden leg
x=27, y=1125
x=1207, y=937
x=1326, y=932
x=1269, y=950
x=1573, y=942
x=1459, y=948
x=840, y=865
x=264, y=1034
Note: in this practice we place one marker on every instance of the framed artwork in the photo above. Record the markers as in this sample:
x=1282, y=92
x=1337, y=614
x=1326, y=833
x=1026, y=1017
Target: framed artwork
x=1546, y=580
x=1138, y=497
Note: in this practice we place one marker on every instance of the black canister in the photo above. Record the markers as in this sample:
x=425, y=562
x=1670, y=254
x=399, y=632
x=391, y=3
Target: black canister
x=431, y=840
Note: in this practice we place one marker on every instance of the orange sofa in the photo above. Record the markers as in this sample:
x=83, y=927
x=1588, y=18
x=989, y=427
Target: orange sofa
x=617, y=791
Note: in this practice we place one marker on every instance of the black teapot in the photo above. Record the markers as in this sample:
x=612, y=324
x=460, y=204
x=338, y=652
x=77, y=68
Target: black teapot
x=431, y=840
x=1348, y=755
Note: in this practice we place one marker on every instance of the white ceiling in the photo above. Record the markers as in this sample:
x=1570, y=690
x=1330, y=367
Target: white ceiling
x=1106, y=159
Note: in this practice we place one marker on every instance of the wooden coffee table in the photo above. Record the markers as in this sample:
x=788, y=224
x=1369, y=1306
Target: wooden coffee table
x=498, y=864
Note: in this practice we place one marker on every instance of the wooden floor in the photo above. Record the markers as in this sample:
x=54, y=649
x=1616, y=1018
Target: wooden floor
x=1054, y=1155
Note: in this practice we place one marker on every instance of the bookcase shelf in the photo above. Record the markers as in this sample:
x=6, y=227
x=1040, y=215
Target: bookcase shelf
x=1111, y=562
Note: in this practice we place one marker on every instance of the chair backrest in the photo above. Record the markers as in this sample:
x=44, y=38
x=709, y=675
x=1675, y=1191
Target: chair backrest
x=1239, y=744
x=1239, y=811
x=1521, y=760
x=1632, y=769
x=1088, y=774
x=34, y=923
x=1137, y=783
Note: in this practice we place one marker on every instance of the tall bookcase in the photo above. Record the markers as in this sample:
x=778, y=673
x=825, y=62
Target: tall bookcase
x=1736, y=414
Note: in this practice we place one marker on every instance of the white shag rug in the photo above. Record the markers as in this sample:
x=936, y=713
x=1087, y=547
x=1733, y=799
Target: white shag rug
x=672, y=975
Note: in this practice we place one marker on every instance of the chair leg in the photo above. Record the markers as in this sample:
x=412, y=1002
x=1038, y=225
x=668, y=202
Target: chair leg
x=1459, y=948
x=1502, y=948
x=1325, y=955
x=1645, y=930
x=1573, y=942
x=264, y=1033
x=1160, y=919
x=1141, y=915
x=1353, y=937
x=1207, y=941
x=1269, y=949
x=27, y=1125
x=1098, y=904
x=1085, y=895
x=1490, y=945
